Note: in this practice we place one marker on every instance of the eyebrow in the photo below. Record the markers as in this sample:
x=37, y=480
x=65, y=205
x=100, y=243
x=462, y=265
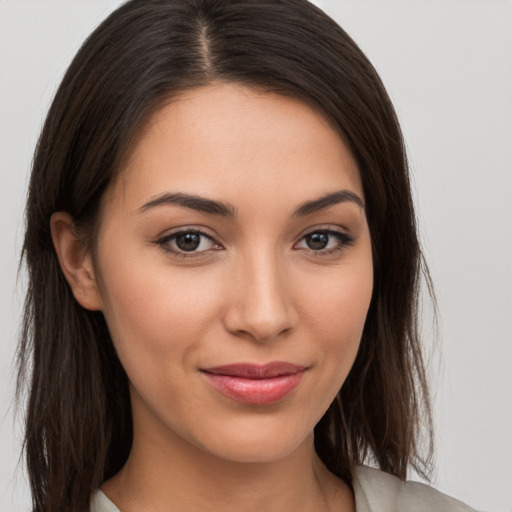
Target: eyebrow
x=213, y=207
x=326, y=201
x=193, y=202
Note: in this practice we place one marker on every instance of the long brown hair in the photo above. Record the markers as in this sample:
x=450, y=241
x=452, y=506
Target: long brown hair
x=78, y=420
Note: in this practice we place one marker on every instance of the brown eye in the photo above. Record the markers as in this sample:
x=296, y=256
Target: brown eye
x=188, y=241
x=325, y=241
x=317, y=241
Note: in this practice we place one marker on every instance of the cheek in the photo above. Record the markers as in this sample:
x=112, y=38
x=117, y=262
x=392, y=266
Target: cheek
x=336, y=315
x=339, y=303
x=154, y=312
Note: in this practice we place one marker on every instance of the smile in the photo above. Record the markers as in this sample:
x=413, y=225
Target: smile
x=255, y=384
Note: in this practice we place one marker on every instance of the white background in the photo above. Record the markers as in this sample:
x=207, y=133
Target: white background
x=448, y=67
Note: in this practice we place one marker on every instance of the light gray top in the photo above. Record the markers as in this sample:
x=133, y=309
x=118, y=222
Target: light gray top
x=375, y=491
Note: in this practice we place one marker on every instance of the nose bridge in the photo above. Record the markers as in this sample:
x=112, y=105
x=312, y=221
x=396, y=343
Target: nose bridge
x=261, y=305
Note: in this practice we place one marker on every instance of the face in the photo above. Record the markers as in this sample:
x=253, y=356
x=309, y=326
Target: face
x=235, y=272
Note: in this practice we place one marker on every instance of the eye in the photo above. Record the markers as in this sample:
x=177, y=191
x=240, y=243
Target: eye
x=325, y=241
x=187, y=242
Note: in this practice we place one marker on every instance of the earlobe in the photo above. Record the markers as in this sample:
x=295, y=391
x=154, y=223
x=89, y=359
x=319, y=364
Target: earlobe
x=75, y=261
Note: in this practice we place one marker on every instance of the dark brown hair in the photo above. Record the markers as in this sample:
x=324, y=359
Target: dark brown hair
x=78, y=420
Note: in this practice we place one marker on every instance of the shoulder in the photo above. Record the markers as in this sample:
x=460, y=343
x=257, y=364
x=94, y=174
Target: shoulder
x=377, y=491
x=100, y=503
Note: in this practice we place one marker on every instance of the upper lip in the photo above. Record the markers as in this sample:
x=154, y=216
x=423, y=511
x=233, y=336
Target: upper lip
x=256, y=371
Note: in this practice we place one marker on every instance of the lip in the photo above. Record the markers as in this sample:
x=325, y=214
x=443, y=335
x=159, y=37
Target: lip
x=255, y=384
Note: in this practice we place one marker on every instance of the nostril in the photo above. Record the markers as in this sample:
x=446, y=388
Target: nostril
x=260, y=305
x=262, y=322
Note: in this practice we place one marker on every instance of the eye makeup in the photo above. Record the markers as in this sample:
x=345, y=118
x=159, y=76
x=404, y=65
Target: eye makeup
x=188, y=243
x=191, y=242
x=325, y=241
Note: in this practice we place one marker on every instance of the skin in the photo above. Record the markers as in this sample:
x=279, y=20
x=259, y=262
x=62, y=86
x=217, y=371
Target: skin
x=255, y=291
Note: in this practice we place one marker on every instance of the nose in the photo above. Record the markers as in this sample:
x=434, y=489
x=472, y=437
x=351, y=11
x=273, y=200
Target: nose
x=260, y=304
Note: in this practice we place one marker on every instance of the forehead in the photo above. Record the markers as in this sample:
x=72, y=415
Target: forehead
x=231, y=140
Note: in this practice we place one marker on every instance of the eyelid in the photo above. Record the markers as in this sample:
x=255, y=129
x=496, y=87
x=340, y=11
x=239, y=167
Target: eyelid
x=335, y=228
x=345, y=238
x=163, y=241
x=343, y=235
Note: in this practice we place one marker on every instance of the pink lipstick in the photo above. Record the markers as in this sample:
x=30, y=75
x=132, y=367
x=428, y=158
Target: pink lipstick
x=255, y=384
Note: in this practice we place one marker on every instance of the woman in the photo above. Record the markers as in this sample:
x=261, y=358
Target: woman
x=224, y=270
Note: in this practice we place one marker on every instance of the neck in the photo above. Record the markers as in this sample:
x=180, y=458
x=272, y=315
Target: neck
x=165, y=472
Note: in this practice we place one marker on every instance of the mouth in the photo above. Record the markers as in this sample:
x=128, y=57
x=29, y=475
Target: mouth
x=255, y=384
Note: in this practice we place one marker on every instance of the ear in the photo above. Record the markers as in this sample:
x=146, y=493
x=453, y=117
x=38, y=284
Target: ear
x=75, y=261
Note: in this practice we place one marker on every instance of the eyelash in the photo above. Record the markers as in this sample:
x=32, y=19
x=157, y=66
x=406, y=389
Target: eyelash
x=345, y=240
x=164, y=243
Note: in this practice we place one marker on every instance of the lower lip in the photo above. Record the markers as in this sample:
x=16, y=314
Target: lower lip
x=254, y=391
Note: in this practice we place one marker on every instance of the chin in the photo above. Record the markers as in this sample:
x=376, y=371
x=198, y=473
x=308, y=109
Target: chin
x=256, y=443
